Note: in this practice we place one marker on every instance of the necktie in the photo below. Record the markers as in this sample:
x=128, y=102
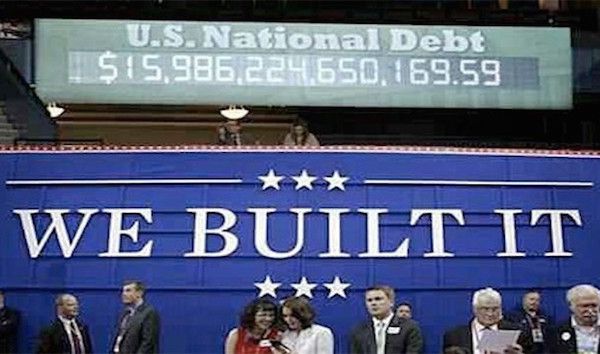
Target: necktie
x=76, y=339
x=122, y=326
x=125, y=320
x=380, y=336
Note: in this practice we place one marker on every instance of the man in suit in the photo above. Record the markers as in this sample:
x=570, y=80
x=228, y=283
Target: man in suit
x=487, y=310
x=231, y=133
x=67, y=334
x=138, y=327
x=385, y=333
x=9, y=324
x=581, y=333
x=532, y=320
x=404, y=310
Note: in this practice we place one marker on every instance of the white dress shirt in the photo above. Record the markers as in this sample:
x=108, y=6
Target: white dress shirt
x=381, y=323
x=587, y=338
x=315, y=339
x=477, y=330
x=67, y=326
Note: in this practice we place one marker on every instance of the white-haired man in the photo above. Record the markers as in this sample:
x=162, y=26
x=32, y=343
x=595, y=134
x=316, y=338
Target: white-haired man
x=581, y=333
x=487, y=311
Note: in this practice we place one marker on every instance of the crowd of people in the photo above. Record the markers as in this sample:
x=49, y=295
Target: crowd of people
x=266, y=327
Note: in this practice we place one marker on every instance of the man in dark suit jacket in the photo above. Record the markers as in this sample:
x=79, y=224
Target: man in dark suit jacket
x=9, y=325
x=385, y=333
x=532, y=321
x=67, y=334
x=584, y=303
x=487, y=308
x=138, y=326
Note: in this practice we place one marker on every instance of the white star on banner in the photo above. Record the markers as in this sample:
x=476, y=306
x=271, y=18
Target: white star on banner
x=304, y=288
x=336, y=288
x=267, y=287
x=304, y=180
x=336, y=181
x=270, y=180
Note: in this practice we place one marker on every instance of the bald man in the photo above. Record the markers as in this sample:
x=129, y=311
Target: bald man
x=67, y=334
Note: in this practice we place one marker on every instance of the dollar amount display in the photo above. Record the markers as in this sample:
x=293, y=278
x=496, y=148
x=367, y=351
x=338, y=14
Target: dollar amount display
x=118, y=68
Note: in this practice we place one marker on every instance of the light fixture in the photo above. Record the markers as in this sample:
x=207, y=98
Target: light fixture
x=54, y=110
x=234, y=112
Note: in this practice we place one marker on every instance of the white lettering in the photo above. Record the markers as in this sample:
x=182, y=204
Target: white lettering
x=373, y=237
x=510, y=234
x=260, y=232
x=556, y=230
x=201, y=231
x=57, y=225
x=437, y=227
x=116, y=231
x=334, y=235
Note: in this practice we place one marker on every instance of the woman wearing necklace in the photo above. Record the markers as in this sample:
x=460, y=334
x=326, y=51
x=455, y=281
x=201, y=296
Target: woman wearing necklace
x=302, y=335
x=258, y=327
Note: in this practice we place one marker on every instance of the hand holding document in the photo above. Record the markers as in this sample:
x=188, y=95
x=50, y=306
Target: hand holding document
x=498, y=341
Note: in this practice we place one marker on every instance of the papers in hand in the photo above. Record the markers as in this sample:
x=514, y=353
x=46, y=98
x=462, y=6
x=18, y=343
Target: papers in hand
x=497, y=341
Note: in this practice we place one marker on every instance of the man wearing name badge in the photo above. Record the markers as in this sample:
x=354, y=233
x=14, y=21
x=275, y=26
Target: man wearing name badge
x=67, y=334
x=487, y=311
x=385, y=333
x=138, y=326
x=581, y=333
x=532, y=320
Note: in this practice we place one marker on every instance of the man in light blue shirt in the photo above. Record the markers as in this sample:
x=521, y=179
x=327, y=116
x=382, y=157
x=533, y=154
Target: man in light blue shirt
x=581, y=333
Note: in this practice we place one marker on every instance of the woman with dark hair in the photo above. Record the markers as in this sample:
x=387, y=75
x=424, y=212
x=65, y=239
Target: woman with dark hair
x=258, y=327
x=300, y=136
x=302, y=335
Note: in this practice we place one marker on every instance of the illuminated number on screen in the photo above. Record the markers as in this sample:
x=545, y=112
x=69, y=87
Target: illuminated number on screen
x=474, y=77
x=348, y=74
x=441, y=67
x=365, y=63
x=130, y=66
x=182, y=63
x=275, y=71
x=398, y=74
x=203, y=68
x=324, y=74
x=224, y=71
x=491, y=67
x=255, y=68
x=418, y=76
x=300, y=69
x=146, y=64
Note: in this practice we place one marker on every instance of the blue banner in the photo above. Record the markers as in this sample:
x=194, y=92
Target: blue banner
x=209, y=230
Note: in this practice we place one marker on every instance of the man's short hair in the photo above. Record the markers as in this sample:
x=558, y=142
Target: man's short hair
x=405, y=304
x=486, y=293
x=532, y=291
x=138, y=285
x=581, y=290
x=60, y=298
x=387, y=290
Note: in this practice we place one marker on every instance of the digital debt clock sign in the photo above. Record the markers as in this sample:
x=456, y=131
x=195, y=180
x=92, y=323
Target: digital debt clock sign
x=162, y=62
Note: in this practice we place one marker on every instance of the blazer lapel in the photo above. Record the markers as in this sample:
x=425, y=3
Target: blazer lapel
x=371, y=344
x=64, y=337
x=468, y=339
x=131, y=319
